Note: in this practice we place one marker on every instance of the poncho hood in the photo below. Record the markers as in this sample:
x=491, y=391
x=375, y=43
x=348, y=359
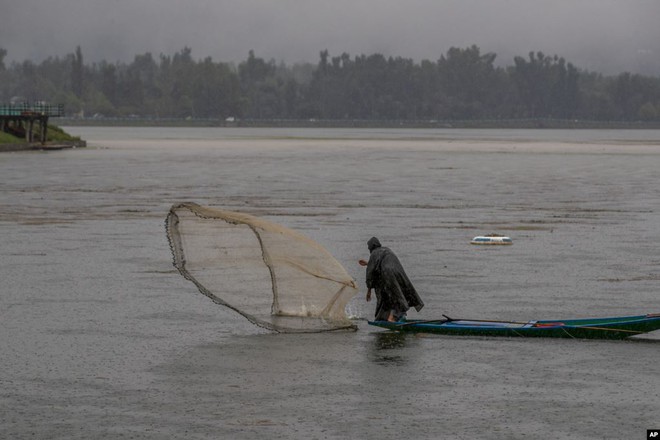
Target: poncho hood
x=373, y=243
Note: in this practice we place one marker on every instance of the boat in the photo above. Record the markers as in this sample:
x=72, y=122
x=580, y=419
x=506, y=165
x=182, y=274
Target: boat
x=621, y=327
x=492, y=239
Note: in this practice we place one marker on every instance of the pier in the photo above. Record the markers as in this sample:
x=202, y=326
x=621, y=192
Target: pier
x=28, y=120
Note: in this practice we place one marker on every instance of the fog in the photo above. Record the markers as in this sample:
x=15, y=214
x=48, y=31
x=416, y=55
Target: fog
x=607, y=36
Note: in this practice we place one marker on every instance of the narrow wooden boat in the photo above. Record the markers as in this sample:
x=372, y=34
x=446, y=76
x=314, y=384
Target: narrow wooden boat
x=591, y=328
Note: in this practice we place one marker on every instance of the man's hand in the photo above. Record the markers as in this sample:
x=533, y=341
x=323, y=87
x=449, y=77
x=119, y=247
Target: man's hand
x=363, y=262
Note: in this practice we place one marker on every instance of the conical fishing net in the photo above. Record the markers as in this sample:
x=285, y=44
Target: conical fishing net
x=272, y=275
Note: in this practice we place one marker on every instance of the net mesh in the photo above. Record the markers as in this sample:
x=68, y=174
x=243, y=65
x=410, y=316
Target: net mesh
x=275, y=277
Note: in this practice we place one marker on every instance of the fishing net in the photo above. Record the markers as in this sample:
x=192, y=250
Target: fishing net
x=275, y=277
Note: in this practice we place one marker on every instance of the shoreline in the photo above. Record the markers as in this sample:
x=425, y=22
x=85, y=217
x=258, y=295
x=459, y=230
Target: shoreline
x=438, y=146
x=340, y=123
x=323, y=140
x=48, y=146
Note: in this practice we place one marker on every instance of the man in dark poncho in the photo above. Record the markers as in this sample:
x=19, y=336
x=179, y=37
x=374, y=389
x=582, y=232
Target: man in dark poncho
x=395, y=293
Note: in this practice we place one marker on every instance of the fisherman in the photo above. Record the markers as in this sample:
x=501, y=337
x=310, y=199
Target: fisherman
x=395, y=294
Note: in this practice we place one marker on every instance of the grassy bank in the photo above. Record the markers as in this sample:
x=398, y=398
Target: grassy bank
x=55, y=134
x=6, y=138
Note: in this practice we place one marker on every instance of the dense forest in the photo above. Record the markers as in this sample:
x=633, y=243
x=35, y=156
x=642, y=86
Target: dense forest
x=463, y=84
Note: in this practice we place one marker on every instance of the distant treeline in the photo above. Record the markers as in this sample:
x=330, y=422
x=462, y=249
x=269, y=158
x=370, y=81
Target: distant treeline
x=463, y=84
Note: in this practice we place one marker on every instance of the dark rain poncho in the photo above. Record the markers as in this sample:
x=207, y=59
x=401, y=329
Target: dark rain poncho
x=394, y=291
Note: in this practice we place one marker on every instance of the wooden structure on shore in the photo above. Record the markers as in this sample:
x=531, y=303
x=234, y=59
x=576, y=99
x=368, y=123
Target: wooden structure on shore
x=21, y=120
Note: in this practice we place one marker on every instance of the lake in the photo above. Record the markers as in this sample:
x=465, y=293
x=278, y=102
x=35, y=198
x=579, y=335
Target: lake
x=102, y=338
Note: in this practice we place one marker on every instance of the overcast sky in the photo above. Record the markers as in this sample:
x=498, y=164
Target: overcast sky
x=608, y=36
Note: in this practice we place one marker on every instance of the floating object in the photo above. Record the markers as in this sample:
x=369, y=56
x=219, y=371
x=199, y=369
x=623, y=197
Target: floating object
x=592, y=328
x=492, y=239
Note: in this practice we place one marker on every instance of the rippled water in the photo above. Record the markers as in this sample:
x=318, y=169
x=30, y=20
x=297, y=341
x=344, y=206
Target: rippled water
x=101, y=338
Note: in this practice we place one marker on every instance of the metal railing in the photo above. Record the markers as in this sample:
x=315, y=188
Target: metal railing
x=35, y=109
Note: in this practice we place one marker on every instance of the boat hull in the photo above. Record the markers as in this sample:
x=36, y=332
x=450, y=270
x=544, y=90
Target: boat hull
x=621, y=327
x=489, y=240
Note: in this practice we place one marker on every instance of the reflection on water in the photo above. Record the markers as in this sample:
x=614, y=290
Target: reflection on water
x=388, y=348
x=389, y=340
x=649, y=338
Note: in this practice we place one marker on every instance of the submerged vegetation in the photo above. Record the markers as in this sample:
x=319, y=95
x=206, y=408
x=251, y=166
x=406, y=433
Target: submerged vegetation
x=463, y=84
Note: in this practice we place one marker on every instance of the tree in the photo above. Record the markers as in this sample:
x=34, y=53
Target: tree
x=630, y=92
x=77, y=69
x=461, y=84
x=468, y=79
x=547, y=85
x=216, y=90
x=260, y=87
x=109, y=82
x=3, y=54
x=179, y=83
x=648, y=112
x=4, y=77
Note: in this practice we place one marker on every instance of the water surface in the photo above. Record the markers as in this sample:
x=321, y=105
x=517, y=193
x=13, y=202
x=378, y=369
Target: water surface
x=102, y=338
